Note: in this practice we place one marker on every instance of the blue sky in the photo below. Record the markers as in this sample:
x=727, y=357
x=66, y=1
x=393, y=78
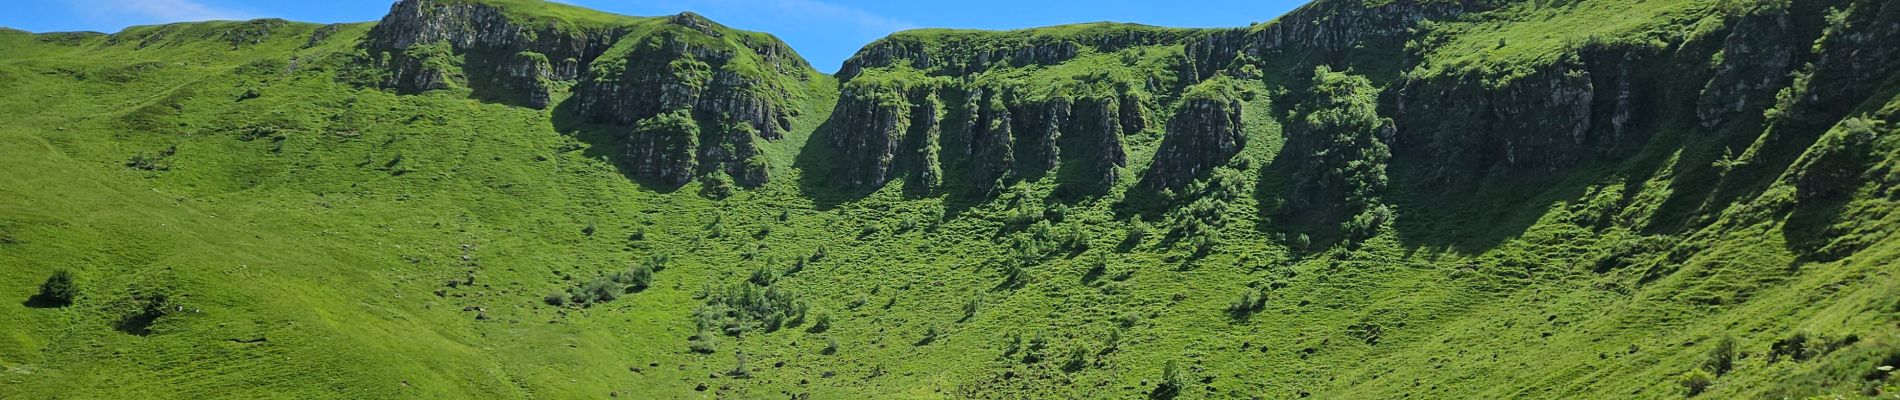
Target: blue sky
x=824, y=31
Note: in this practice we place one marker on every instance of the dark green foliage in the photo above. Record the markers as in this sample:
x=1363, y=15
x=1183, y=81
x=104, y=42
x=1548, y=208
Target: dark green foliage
x=1249, y=302
x=1037, y=349
x=1721, y=359
x=1137, y=232
x=1171, y=383
x=1078, y=359
x=930, y=336
x=1340, y=139
x=160, y=161
x=831, y=347
x=665, y=146
x=59, y=290
x=1835, y=164
x=1696, y=381
x=145, y=310
x=739, y=368
x=608, y=287
x=747, y=307
x=821, y=324
x=762, y=276
x=702, y=343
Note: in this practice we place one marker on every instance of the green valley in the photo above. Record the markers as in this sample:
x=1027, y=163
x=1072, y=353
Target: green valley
x=1360, y=199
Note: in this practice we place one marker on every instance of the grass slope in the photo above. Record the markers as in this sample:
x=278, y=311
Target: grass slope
x=321, y=240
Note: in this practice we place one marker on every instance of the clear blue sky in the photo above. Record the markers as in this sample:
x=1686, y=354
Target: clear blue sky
x=824, y=31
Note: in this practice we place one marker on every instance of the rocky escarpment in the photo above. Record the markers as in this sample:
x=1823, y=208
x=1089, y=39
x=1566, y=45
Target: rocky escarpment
x=1471, y=123
x=960, y=52
x=945, y=126
x=1204, y=133
x=626, y=73
x=1554, y=115
x=978, y=136
x=1026, y=129
x=422, y=44
x=1326, y=27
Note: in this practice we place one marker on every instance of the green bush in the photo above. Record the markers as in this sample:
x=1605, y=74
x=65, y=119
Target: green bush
x=59, y=289
x=1721, y=359
x=1696, y=381
x=1171, y=383
x=1078, y=359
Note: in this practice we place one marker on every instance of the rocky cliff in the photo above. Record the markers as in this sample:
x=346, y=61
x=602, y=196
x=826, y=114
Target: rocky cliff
x=1024, y=112
x=421, y=43
x=735, y=86
x=1203, y=133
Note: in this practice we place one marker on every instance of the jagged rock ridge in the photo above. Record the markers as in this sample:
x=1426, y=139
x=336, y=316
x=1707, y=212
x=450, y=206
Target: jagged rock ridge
x=736, y=86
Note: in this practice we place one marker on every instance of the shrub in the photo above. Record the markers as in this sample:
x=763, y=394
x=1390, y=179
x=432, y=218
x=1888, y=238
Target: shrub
x=1247, y=304
x=1696, y=381
x=739, y=368
x=59, y=289
x=823, y=323
x=1137, y=232
x=1014, y=345
x=1721, y=358
x=556, y=299
x=831, y=347
x=1035, y=352
x=930, y=336
x=701, y=342
x=1078, y=359
x=149, y=309
x=1170, y=385
x=762, y=276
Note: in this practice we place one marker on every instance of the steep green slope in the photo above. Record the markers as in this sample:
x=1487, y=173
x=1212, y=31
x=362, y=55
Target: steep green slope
x=512, y=199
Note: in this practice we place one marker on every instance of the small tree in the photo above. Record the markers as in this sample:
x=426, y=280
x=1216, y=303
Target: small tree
x=59, y=289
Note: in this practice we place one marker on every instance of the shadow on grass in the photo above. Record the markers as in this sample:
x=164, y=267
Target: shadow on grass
x=604, y=142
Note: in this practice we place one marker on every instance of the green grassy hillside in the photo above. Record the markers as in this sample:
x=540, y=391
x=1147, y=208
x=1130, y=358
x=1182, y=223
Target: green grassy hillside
x=1505, y=200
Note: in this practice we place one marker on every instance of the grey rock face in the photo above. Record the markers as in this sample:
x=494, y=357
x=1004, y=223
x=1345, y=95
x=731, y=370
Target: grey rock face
x=677, y=64
x=1203, y=134
x=1321, y=26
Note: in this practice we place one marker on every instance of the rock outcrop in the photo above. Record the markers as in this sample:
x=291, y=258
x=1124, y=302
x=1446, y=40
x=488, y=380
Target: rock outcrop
x=735, y=87
x=1205, y=132
x=970, y=52
x=420, y=41
x=1321, y=26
